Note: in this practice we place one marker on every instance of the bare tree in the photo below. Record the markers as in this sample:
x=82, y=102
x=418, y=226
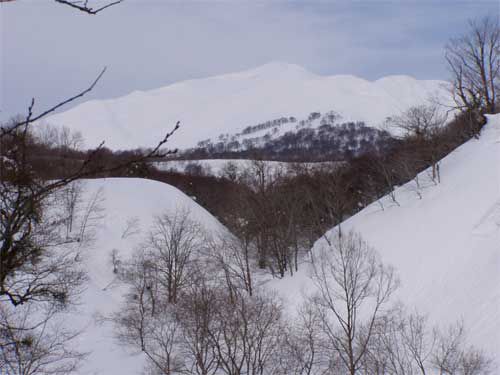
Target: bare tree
x=421, y=121
x=207, y=331
x=140, y=301
x=332, y=201
x=259, y=177
x=154, y=331
x=385, y=171
x=405, y=344
x=230, y=171
x=37, y=258
x=401, y=344
x=302, y=350
x=234, y=257
x=271, y=214
x=247, y=334
x=41, y=347
x=418, y=339
x=166, y=310
x=58, y=138
x=132, y=227
x=71, y=197
x=474, y=62
x=174, y=337
x=172, y=243
x=452, y=357
x=353, y=289
x=421, y=124
x=147, y=322
x=161, y=345
x=197, y=314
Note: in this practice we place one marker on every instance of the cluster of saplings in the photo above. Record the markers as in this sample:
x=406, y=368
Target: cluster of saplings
x=195, y=305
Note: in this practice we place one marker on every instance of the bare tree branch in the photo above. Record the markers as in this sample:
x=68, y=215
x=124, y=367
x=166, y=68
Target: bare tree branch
x=474, y=64
x=85, y=8
x=30, y=119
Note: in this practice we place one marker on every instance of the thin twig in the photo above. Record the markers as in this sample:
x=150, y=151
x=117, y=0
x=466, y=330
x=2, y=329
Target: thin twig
x=30, y=119
x=85, y=8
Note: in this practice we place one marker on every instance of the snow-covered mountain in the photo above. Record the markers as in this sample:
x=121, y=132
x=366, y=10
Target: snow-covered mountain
x=229, y=103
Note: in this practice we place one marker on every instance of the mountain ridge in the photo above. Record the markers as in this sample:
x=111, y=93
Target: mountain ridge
x=227, y=103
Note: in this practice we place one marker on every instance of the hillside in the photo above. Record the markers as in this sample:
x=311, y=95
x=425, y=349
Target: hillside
x=122, y=200
x=232, y=102
x=446, y=245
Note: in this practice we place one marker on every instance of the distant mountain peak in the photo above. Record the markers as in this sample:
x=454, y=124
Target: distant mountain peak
x=279, y=67
x=228, y=103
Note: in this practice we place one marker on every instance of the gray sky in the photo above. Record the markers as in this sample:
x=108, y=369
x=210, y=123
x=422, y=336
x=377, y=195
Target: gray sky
x=50, y=51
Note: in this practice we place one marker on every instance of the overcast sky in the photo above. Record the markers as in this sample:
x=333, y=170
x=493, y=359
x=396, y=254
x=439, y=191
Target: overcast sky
x=51, y=51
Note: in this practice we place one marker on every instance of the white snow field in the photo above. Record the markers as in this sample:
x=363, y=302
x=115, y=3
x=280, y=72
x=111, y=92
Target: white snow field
x=445, y=246
x=228, y=103
x=123, y=199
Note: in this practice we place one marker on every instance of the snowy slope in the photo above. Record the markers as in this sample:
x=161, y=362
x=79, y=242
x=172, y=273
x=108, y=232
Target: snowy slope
x=445, y=246
x=228, y=103
x=123, y=199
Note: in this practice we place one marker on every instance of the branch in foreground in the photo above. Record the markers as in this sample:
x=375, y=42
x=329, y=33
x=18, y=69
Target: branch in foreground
x=30, y=119
x=86, y=170
x=85, y=8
